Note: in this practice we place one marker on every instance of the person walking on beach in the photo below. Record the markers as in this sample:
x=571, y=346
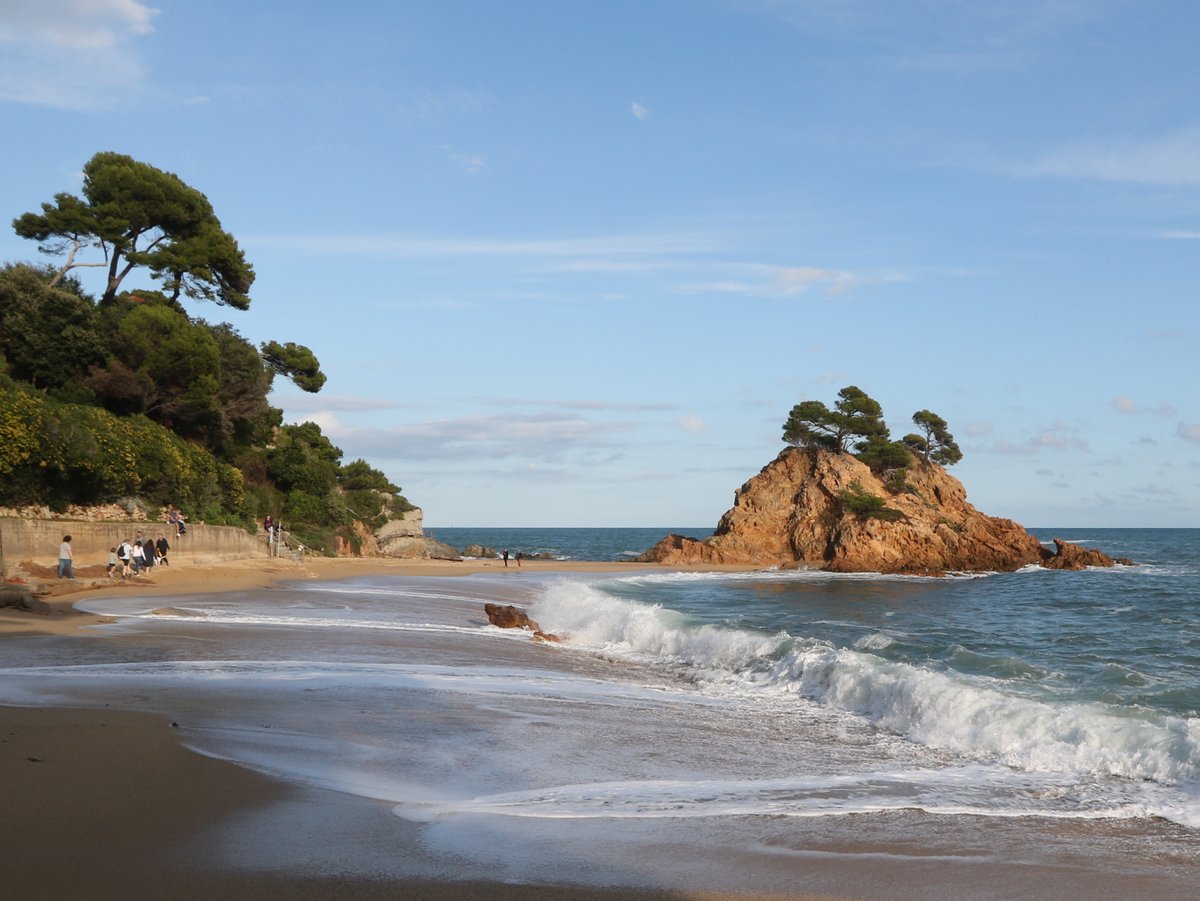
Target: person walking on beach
x=520, y=557
x=505, y=556
x=112, y=562
x=125, y=555
x=139, y=557
x=162, y=547
x=147, y=553
x=65, y=558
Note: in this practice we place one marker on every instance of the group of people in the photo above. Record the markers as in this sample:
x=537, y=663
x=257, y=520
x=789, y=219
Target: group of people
x=138, y=554
x=519, y=557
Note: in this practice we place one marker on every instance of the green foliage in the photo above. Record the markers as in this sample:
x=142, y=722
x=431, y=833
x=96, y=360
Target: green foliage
x=935, y=443
x=303, y=459
x=47, y=335
x=166, y=366
x=857, y=420
x=56, y=453
x=360, y=475
x=296, y=362
x=860, y=502
x=855, y=416
x=87, y=388
x=140, y=216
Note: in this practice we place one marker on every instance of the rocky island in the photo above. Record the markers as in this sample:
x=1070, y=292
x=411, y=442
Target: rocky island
x=890, y=509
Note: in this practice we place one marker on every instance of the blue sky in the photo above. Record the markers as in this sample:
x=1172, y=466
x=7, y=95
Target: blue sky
x=572, y=263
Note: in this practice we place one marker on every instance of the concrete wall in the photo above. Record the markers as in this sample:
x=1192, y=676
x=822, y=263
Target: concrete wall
x=37, y=540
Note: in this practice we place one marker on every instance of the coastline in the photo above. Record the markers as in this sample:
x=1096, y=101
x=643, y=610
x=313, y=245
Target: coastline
x=264, y=572
x=121, y=797
x=112, y=804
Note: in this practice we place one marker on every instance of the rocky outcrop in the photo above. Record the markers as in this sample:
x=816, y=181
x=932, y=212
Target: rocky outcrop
x=793, y=514
x=506, y=616
x=405, y=537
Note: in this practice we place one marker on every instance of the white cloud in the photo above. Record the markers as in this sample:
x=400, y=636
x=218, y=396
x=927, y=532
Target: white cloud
x=74, y=24
x=633, y=245
x=72, y=54
x=1057, y=437
x=1171, y=159
x=781, y=281
x=304, y=403
x=482, y=439
x=1125, y=404
x=640, y=111
x=1189, y=432
x=693, y=424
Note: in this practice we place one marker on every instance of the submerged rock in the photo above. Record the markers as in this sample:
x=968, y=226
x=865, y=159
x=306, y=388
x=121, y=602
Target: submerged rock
x=794, y=514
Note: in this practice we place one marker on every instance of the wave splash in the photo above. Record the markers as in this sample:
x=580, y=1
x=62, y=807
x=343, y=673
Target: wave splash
x=971, y=716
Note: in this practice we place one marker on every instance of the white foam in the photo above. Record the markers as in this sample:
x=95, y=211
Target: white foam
x=972, y=716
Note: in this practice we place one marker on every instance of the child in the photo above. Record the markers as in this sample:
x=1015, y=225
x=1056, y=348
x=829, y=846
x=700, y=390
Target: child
x=112, y=562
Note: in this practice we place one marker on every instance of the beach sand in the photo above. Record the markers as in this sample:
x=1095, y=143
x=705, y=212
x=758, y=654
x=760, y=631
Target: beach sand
x=110, y=803
x=106, y=804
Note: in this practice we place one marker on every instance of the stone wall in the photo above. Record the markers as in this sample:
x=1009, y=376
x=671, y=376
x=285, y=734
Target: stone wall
x=38, y=540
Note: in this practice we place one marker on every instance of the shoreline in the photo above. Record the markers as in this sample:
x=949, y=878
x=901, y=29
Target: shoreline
x=186, y=577
x=136, y=812
x=120, y=796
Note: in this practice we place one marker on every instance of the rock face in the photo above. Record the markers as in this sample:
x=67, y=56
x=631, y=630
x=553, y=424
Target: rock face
x=792, y=515
x=506, y=616
x=405, y=537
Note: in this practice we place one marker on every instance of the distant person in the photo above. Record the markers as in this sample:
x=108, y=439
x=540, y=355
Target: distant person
x=505, y=556
x=175, y=520
x=139, y=558
x=65, y=558
x=125, y=555
x=268, y=524
x=112, y=563
x=147, y=553
x=162, y=546
x=520, y=557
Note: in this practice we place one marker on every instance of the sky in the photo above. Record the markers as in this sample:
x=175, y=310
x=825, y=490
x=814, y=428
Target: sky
x=572, y=262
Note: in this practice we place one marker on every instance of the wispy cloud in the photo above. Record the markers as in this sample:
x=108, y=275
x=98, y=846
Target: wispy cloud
x=69, y=54
x=544, y=437
x=343, y=403
x=632, y=245
x=1128, y=405
x=640, y=111
x=1057, y=437
x=1169, y=159
x=692, y=424
x=1189, y=432
x=956, y=37
x=471, y=163
x=784, y=281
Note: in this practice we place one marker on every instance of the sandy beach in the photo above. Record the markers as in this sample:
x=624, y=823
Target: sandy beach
x=109, y=804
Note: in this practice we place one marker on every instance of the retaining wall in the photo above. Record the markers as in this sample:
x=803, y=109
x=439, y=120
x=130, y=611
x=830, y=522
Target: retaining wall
x=38, y=540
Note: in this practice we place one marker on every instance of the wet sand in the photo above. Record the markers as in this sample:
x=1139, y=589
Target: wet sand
x=111, y=804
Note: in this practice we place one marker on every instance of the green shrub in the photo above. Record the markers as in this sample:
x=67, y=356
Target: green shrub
x=864, y=505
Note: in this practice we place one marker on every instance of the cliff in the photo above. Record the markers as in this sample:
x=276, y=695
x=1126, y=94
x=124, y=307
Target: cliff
x=792, y=515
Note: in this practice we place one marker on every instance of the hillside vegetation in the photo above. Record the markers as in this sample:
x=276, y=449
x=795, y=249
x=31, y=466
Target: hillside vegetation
x=127, y=397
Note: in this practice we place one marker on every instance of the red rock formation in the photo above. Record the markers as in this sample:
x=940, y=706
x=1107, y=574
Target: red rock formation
x=792, y=515
x=509, y=617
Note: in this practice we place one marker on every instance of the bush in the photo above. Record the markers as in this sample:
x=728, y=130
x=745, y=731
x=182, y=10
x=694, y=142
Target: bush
x=864, y=505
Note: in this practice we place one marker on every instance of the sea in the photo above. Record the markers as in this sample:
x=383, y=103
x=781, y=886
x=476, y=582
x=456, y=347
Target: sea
x=993, y=735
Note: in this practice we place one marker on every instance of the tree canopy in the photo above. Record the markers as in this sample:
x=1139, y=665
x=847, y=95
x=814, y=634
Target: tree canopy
x=855, y=417
x=856, y=423
x=296, y=362
x=129, y=396
x=935, y=443
x=140, y=216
